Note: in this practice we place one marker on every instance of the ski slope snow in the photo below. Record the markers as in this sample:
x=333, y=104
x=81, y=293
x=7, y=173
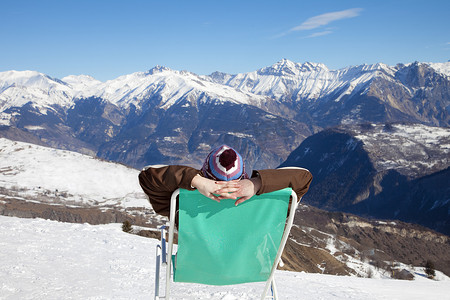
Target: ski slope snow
x=42, y=259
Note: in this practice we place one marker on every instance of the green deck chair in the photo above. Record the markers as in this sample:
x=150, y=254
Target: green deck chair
x=224, y=244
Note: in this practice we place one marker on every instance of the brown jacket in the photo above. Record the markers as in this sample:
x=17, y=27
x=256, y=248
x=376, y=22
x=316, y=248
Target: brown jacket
x=160, y=183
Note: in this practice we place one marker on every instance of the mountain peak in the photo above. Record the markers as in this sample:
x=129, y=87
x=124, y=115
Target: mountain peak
x=29, y=79
x=286, y=67
x=157, y=69
x=285, y=63
x=281, y=68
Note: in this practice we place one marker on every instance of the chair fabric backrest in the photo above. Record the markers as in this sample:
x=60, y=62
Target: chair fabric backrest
x=223, y=244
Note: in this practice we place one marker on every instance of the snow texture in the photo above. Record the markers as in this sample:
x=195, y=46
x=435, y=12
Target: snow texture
x=443, y=68
x=413, y=150
x=76, y=179
x=42, y=259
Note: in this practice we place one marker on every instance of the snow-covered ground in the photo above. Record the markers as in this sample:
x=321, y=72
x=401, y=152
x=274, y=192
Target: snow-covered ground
x=41, y=259
x=39, y=174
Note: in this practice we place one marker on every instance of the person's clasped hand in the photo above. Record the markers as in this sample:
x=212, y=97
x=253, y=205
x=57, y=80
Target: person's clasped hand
x=241, y=190
x=209, y=188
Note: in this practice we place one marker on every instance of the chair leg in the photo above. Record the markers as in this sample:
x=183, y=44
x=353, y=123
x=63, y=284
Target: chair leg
x=161, y=259
x=269, y=288
x=173, y=204
x=157, y=272
x=274, y=290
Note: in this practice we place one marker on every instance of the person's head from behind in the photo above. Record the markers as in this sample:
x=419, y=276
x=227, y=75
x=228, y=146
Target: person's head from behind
x=224, y=164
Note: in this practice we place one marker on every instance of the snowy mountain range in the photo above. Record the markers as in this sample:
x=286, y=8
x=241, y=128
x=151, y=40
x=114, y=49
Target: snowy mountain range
x=284, y=80
x=177, y=116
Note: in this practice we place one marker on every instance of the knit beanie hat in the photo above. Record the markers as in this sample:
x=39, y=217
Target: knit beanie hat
x=225, y=164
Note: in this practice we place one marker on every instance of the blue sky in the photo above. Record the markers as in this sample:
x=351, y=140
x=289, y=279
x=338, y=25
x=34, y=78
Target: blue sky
x=106, y=39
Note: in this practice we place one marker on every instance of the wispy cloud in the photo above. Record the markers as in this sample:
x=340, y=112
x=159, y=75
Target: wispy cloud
x=321, y=33
x=322, y=20
x=325, y=19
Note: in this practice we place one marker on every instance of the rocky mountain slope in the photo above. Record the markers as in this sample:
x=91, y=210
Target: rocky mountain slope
x=392, y=171
x=337, y=243
x=61, y=185
x=169, y=116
